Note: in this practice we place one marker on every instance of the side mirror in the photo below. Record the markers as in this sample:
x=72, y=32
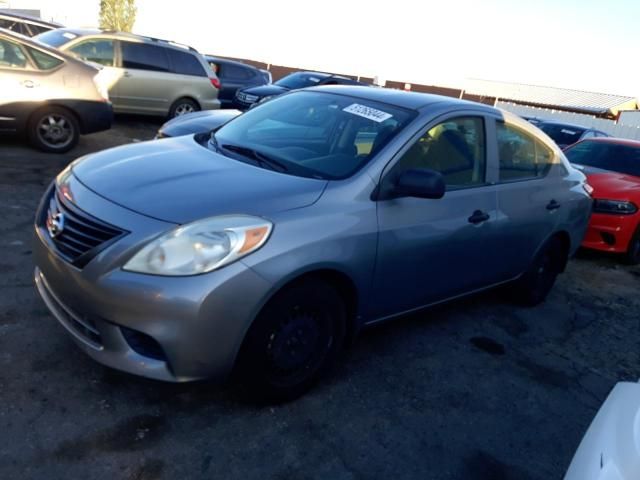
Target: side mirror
x=420, y=183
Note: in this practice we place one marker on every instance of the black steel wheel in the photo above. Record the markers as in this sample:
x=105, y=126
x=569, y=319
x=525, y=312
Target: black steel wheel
x=295, y=339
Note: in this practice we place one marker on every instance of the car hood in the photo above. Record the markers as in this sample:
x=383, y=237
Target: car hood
x=265, y=90
x=197, y=122
x=612, y=185
x=177, y=180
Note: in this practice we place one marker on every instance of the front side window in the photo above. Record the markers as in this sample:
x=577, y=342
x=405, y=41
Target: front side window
x=11, y=55
x=455, y=148
x=522, y=156
x=141, y=56
x=96, y=51
x=43, y=60
x=606, y=156
x=312, y=134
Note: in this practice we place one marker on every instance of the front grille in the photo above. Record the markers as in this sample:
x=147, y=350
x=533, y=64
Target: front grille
x=83, y=328
x=76, y=235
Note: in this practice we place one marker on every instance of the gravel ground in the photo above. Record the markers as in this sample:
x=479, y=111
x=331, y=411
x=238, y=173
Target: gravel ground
x=477, y=389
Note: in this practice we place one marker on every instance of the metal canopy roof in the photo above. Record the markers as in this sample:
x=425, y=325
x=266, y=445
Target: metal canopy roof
x=551, y=97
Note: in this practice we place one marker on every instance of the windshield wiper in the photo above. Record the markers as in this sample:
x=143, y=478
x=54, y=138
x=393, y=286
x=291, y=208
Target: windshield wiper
x=262, y=159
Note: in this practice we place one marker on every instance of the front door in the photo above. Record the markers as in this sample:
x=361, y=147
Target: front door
x=430, y=250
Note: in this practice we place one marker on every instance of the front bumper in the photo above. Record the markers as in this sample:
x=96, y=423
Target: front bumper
x=611, y=233
x=197, y=322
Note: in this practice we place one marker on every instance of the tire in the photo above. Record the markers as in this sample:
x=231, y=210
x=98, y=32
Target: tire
x=535, y=284
x=295, y=339
x=53, y=129
x=632, y=256
x=182, y=106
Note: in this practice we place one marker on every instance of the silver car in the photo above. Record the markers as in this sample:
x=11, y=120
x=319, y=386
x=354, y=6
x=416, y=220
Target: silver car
x=266, y=246
x=147, y=76
x=49, y=96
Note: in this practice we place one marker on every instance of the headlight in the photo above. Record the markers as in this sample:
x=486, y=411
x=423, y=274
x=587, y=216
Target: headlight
x=202, y=246
x=615, y=207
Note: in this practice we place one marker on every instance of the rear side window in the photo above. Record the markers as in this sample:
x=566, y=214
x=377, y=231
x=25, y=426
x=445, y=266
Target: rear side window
x=43, y=60
x=522, y=156
x=97, y=51
x=236, y=72
x=11, y=55
x=141, y=56
x=185, y=63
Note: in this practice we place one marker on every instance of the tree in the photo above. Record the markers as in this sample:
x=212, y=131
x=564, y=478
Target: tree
x=117, y=15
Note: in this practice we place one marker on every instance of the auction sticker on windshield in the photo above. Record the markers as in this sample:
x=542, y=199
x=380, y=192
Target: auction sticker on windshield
x=367, y=112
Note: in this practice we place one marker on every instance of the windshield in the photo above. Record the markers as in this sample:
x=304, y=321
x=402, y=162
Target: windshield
x=55, y=38
x=607, y=156
x=563, y=135
x=312, y=134
x=299, y=80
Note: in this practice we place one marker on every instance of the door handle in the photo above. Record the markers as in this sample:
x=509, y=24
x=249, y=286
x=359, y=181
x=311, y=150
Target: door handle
x=553, y=205
x=28, y=83
x=478, y=217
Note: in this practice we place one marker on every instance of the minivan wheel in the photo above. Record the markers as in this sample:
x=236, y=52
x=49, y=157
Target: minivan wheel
x=53, y=129
x=182, y=107
x=533, y=287
x=295, y=339
x=632, y=256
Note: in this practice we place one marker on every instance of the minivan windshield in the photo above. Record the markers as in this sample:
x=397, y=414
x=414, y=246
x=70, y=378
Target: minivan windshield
x=55, y=38
x=606, y=156
x=312, y=134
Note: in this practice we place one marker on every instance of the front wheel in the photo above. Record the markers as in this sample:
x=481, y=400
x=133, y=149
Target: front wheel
x=293, y=341
x=535, y=284
x=632, y=256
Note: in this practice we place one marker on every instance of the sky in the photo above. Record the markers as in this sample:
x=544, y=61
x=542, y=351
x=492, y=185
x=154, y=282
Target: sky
x=581, y=44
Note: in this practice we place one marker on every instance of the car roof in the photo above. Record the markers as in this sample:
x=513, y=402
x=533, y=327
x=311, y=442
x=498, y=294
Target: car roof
x=228, y=61
x=85, y=32
x=614, y=141
x=401, y=98
x=28, y=18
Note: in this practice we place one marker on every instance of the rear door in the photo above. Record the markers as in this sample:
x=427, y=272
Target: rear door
x=530, y=194
x=18, y=84
x=146, y=81
x=103, y=52
x=430, y=250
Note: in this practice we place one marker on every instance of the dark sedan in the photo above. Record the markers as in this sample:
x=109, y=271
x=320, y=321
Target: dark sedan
x=250, y=97
x=566, y=134
x=196, y=122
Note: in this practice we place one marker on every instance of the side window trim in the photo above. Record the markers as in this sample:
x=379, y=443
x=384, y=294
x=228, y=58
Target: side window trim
x=490, y=153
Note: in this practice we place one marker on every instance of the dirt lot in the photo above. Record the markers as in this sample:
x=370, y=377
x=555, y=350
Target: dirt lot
x=476, y=390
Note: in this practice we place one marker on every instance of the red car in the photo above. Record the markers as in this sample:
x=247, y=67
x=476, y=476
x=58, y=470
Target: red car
x=612, y=166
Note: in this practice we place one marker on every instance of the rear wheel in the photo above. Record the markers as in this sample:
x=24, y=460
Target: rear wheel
x=632, y=256
x=53, y=129
x=183, y=106
x=295, y=339
x=536, y=283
